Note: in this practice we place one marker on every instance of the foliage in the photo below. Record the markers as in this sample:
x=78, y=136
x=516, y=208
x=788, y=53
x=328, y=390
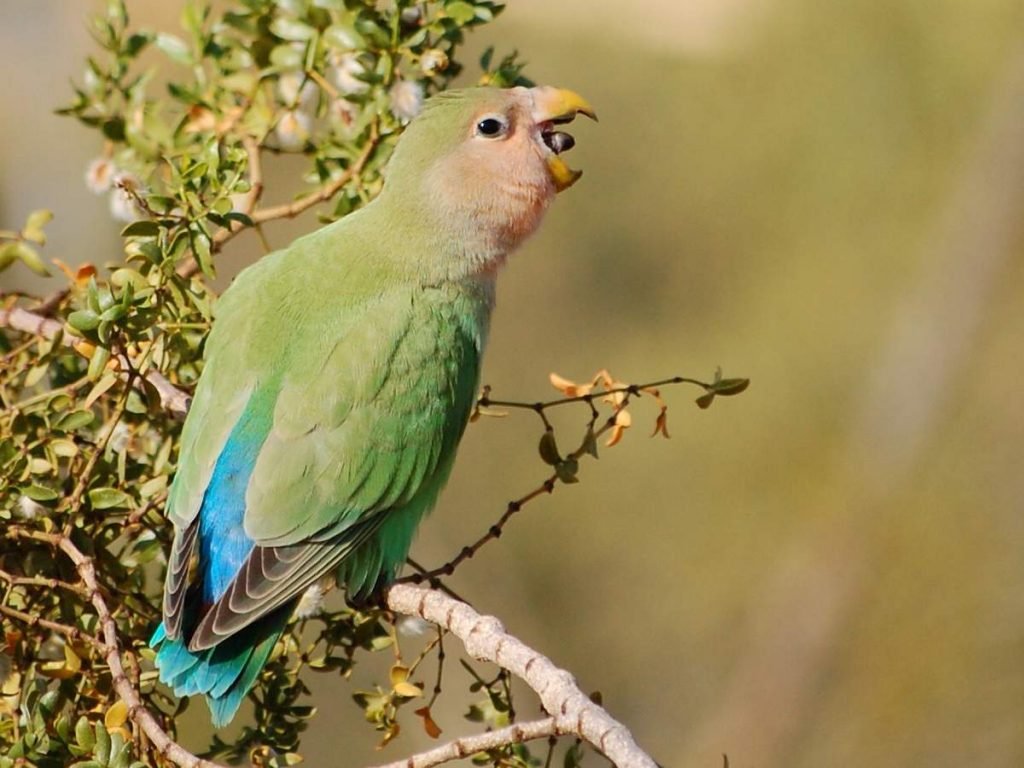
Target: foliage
x=87, y=444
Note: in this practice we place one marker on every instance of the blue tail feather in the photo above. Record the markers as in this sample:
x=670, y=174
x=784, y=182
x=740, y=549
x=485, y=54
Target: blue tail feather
x=225, y=673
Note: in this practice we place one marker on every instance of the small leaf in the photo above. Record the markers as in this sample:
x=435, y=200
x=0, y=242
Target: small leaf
x=174, y=47
x=117, y=715
x=729, y=387
x=63, y=670
x=103, y=745
x=432, y=728
x=34, y=226
x=97, y=364
x=291, y=29
x=141, y=228
x=661, y=424
x=398, y=674
x=30, y=258
x=705, y=400
x=408, y=690
x=39, y=492
x=566, y=471
x=460, y=12
x=83, y=734
x=548, y=448
x=108, y=498
x=101, y=386
x=74, y=420
x=83, y=320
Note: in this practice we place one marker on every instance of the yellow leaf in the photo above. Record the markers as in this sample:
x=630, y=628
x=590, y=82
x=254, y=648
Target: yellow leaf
x=408, y=690
x=399, y=674
x=116, y=716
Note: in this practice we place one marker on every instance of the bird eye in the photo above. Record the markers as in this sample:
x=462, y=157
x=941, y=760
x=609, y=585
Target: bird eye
x=490, y=127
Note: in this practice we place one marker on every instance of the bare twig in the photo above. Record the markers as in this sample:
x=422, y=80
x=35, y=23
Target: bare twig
x=324, y=193
x=486, y=639
x=470, y=745
x=73, y=634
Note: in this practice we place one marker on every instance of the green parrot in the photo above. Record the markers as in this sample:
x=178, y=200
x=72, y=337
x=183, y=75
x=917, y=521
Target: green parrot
x=339, y=377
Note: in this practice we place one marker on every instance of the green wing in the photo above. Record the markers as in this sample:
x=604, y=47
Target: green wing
x=371, y=394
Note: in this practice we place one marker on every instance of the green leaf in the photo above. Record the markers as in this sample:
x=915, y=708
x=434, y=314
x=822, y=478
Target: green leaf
x=83, y=320
x=8, y=255
x=343, y=37
x=74, y=420
x=460, y=12
x=566, y=471
x=141, y=228
x=102, y=749
x=285, y=57
x=729, y=387
x=705, y=400
x=28, y=256
x=39, y=492
x=292, y=29
x=548, y=448
x=108, y=498
x=174, y=47
x=113, y=129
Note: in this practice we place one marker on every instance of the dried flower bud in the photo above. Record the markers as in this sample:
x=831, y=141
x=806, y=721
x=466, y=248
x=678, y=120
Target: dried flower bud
x=122, y=197
x=311, y=603
x=298, y=91
x=28, y=509
x=99, y=175
x=433, y=61
x=406, y=99
x=344, y=74
x=293, y=129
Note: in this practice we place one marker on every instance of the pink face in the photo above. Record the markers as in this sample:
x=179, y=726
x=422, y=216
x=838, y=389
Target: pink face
x=498, y=182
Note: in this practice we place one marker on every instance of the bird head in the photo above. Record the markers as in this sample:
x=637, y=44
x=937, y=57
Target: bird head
x=487, y=161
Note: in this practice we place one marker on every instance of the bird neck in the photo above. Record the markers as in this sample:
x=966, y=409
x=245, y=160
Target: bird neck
x=456, y=233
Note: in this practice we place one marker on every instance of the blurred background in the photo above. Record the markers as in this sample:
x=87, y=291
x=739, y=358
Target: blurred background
x=825, y=197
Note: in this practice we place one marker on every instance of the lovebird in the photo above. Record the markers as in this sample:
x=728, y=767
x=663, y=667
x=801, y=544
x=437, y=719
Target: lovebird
x=339, y=376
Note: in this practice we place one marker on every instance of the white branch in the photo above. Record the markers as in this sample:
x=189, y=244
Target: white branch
x=486, y=639
x=470, y=745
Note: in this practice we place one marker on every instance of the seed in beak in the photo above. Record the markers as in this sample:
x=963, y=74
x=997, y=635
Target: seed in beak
x=559, y=142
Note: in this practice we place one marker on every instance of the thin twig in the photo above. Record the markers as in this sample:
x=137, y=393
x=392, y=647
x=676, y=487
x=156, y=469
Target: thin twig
x=74, y=634
x=465, y=746
x=41, y=581
x=324, y=193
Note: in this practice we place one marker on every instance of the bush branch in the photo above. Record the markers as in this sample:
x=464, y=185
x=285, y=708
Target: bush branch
x=486, y=639
x=110, y=649
x=463, y=747
x=172, y=399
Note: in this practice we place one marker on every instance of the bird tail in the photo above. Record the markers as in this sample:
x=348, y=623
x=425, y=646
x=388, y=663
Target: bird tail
x=225, y=673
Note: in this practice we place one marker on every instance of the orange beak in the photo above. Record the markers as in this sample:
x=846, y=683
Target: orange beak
x=552, y=107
